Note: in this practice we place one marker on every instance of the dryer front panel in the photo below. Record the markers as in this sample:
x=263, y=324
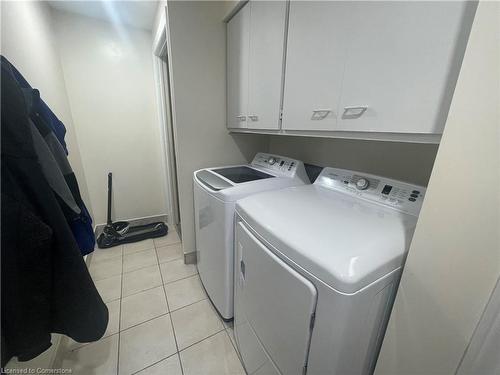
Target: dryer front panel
x=275, y=303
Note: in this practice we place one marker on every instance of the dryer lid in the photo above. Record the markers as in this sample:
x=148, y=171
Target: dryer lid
x=345, y=242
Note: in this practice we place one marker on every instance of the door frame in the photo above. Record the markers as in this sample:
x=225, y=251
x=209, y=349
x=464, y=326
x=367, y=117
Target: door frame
x=166, y=114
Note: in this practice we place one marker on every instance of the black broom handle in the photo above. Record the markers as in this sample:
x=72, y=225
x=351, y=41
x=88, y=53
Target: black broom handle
x=110, y=187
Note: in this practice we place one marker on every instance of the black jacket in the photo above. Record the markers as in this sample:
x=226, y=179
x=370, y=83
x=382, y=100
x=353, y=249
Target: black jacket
x=46, y=286
x=52, y=147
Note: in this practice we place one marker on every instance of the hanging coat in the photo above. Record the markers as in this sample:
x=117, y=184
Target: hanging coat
x=61, y=178
x=55, y=124
x=73, y=206
x=46, y=287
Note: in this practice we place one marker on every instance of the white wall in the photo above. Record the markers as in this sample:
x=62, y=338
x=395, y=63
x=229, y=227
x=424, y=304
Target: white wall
x=198, y=60
x=454, y=259
x=109, y=80
x=410, y=162
x=29, y=42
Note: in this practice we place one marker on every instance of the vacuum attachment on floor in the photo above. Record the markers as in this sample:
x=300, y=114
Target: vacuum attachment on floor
x=120, y=232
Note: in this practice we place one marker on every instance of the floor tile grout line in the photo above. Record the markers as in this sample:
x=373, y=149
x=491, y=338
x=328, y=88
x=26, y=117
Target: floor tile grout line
x=122, y=296
x=106, y=278
x=150, y=248
x=189, y=346
x=109, y=277
x=161, y=360
x=170, y=315
x=168, y=305
x=120, y=300
x=140, y=268
x=85, y=344
x=146, y=321
x=179, y=242
x=117, y=333
x=104, y=259
x=154, y=247
x=173, y=329
x=137, y=269
x=170, y=282
x=203, y=339
x=120, y=320
x=120, y=330
x=182, y=278
x=112, y=300
x=167, y=261
x=142, y=291
x=234, y=345
x=138, y=251
x=221, y=320
x=171, y=260
x=189, y=304
x=151, y=265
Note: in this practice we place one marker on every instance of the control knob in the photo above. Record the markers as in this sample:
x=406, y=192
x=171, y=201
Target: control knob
x=362, y=184
x=272, y=161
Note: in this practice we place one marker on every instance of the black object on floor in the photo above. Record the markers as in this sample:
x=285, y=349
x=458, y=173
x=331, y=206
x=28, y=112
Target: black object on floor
x=120, y=232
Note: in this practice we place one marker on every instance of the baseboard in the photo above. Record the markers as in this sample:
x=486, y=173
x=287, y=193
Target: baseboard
x=137, y=221
x=190, y=258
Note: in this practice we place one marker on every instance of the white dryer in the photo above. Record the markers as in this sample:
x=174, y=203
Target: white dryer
x=216, y=191
x=316, y=271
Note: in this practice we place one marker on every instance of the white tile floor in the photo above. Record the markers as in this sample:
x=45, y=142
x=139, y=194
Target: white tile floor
x=161, y=321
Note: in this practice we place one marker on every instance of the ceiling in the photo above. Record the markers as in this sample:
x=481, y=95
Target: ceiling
x=139, y=14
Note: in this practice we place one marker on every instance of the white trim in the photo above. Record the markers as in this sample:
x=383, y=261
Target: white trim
x=161, y=50
x=236, y=9
x=372, y=136
x=163, y=136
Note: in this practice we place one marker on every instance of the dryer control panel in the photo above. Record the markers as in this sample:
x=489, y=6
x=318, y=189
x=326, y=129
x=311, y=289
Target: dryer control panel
x=397, y=194
x=280, y=165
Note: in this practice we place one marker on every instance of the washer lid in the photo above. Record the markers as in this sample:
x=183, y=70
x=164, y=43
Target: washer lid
x=211, y=180
x=345, y=242
x=241, y=173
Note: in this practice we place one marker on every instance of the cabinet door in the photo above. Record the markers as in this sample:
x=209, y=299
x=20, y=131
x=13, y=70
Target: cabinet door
x=267, y=33
x=400, y=62
x=237, y=68
x=316, y=50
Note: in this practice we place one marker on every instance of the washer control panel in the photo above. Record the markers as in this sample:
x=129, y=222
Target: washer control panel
x=399, y=195
x=278, y=164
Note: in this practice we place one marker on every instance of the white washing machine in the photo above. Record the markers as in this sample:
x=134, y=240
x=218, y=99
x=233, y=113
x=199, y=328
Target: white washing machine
x=316, y=272
x=216, y=191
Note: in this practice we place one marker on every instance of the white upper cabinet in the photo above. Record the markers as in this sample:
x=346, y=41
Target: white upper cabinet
x=401, y=60
x=267, y=39
x=238, y=30
x=255, y=43
x=381, y=70
x=316, y=53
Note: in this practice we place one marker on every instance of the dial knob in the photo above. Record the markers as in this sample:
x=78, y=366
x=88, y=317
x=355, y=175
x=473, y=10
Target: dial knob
x=272, y=161
x=362, y=184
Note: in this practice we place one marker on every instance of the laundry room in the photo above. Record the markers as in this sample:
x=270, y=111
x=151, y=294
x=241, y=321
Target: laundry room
x=250, y=187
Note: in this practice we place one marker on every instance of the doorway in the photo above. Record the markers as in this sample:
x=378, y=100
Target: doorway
x=168, y=133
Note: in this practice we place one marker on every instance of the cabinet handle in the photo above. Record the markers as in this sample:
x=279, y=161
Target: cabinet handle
x=242, y=268
x=253, y=117
x=354, y=112
x=320, y=114
x=241, y=117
